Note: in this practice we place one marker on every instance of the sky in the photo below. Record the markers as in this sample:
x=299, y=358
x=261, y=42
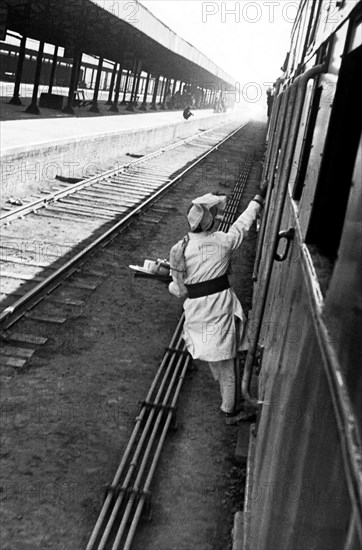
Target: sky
x=247, y=39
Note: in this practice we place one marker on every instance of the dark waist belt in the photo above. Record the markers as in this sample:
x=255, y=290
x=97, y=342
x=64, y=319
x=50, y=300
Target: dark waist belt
x=208, y=287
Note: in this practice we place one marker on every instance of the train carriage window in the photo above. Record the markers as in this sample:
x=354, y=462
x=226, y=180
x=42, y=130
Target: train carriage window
x=330, y=202
x=314, y=25
x=307, y=144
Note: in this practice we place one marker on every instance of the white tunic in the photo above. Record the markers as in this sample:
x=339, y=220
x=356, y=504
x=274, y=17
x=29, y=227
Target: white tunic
x=210, y=325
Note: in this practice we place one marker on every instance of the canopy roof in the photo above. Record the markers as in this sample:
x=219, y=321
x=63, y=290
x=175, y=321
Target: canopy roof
x=130, y=32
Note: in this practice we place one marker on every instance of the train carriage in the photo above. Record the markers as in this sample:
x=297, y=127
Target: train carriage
x=304, y=487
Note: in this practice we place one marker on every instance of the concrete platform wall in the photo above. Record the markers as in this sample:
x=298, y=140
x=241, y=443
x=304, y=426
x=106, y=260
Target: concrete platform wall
x=34, y=167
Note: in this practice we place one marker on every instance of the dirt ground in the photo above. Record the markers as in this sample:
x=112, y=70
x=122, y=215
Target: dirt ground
x=66, y=418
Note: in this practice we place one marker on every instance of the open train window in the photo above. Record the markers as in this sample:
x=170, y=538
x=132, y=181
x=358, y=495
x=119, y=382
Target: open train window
x=330, y=202
x=315, y=16
x=323, y=55
x=307, y=144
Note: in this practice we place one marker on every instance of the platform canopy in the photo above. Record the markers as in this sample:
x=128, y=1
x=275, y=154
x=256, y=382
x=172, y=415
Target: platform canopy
x=120, y=31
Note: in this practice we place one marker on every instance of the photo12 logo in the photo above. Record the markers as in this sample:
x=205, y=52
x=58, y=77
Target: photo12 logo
x=249, y=12
x=125, y=10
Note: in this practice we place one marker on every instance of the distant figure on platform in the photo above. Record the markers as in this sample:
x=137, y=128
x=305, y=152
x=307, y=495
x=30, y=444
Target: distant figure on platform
x=187, y=113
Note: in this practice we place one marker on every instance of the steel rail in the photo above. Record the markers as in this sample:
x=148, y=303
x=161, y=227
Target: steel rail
x=39, y=203
x=138, y=493
x=51, y=282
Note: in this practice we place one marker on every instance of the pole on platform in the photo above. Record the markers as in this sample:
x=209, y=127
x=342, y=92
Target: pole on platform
x=78, y=72
x=135, y=100
x=73, y=83
x=173, y=93
x=33, y=107
x=202, y=98
x=15, y=100
x=92, y=78
x=52, y=73
x=94, y=108
x=212, y=97
x=124, y=102
x=135, y=84
x=163, y=104
x=154, y=96
x=162, y=89
x=105, y=81
x=114, y=106
x=143, y=107
x=111, y=86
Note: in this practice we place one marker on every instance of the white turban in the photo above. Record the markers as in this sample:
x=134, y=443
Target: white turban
x=199, y=216
x=204, y=209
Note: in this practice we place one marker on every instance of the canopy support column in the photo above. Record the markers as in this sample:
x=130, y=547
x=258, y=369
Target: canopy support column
x=73, y=82
x=143, y=107
x=124, y=102
x=114, y=107
x=111, y=86
x=154, y=96
x=135, y=87
x=172, y=104
x=94, y=108
x=15, y=100
x=33, y=107
x=162, y=89
x=163, y=104
x=52, y=73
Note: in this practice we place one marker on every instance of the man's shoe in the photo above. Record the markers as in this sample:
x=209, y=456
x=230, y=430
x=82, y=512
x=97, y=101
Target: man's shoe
x=234, y=416
x=239, y=415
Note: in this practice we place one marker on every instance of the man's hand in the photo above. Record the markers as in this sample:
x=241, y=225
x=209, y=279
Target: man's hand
x=219, y=193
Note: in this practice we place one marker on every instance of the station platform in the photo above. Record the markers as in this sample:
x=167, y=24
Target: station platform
x=18, y=136
x=35, y=149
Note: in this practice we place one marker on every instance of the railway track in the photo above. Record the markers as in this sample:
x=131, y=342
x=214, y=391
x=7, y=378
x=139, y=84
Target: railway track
x=47, y=242
x=128, y=496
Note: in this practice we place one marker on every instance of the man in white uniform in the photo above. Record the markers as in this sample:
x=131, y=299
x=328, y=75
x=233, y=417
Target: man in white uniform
x=214, y=318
